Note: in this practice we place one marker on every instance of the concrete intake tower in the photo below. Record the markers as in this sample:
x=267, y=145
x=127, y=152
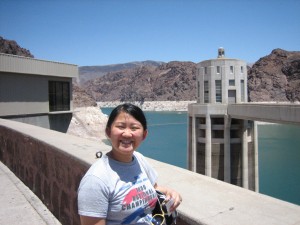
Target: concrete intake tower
x=219, y=146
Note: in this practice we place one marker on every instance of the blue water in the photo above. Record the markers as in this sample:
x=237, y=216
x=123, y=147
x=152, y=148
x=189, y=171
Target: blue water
x=167, y=137
x=279, y=151
x=279, y=161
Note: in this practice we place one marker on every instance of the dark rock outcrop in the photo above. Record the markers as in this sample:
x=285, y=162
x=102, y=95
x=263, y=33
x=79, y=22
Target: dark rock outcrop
x=275, y=77
x=11, y=47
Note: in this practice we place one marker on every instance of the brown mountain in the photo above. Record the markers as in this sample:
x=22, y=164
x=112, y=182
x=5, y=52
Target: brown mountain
x=81, y=98
x=92, y=72
x=171, y=81
x=275, y=77
x=11, y=47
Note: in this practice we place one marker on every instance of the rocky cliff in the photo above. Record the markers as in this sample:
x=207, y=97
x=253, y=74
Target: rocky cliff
x=275, y=77
x=92, y=72
x=173, y=81
x=11, y=47
x=88, y=122
x=81, y=98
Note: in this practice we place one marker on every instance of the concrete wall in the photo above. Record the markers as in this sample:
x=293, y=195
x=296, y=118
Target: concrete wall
x=19, y=64
x=52, y=164
x=25, y=94
x=53, y=175
x=24, y=91
x=25, y=98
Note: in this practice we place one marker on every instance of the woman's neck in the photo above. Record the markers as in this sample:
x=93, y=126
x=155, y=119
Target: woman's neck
x=119, y=157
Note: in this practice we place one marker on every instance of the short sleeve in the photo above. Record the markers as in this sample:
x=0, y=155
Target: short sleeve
x=93, y=197
x=150, y=171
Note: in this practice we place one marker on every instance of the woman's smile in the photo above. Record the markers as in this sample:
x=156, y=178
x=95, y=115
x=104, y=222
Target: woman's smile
x=126, y=134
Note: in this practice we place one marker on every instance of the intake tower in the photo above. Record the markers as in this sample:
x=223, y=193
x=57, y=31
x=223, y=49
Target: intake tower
x=220, y=146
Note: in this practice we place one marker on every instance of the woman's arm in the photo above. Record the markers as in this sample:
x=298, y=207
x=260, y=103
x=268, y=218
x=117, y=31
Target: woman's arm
x=170, y=194
x=87, y=220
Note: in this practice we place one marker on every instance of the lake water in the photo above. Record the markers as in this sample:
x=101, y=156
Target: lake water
x=279, y=151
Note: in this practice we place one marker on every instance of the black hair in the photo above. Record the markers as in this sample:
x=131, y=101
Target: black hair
x=130, y=109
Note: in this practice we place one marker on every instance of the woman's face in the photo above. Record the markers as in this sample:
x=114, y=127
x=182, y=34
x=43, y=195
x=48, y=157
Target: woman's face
x=126, y=134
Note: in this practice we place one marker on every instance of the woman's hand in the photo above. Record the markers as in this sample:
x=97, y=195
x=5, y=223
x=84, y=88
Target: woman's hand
x=170, y=194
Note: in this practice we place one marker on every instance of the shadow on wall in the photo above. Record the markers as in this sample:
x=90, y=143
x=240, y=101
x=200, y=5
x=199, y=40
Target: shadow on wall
x=51, y=174
x=60, y=122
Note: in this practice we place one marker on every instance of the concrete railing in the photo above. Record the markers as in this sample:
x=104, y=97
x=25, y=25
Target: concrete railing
x=51, y=164
x=266, y=112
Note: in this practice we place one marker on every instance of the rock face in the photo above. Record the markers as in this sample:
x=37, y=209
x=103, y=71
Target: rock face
x=174, y=81
x=89, y=123
x=81, y=98
x=11, y=47
x=275, y=77
x=87, y=73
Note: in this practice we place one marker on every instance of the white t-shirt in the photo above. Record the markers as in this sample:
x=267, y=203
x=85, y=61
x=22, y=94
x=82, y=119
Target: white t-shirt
x=123, y=193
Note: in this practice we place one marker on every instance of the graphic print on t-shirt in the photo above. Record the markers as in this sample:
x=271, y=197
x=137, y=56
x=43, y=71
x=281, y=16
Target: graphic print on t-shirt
x=141, y=199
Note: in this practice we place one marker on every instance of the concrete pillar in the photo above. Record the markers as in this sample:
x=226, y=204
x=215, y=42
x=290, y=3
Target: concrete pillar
x=227, y=154
x=245, y=155
x=194, y=144
x=255, y=156
x=208, y=146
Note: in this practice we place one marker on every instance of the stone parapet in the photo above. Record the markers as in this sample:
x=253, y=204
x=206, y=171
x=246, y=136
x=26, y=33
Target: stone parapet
x=44, y=161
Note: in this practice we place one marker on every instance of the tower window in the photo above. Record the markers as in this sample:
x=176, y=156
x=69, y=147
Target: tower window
x=231, y=69
x=205, y=70
x=206, y=92
x=242, y=69
x=231, y=82
x=218, y=69
x=218, y=90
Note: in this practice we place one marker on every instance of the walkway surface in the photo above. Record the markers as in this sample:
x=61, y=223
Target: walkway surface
x=19, y=205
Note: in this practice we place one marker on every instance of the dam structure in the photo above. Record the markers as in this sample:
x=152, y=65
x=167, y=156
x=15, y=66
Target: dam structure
x=220, y=146
x=41, y=166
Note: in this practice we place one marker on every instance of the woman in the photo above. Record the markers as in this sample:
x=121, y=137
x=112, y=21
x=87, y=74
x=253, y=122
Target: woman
x=120, y=188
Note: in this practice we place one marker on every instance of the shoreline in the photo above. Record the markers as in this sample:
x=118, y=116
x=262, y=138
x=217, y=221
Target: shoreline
x=162, y=106
x=181, y=106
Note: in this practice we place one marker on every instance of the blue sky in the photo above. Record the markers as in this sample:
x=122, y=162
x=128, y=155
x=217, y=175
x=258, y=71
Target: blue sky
x=105, y=32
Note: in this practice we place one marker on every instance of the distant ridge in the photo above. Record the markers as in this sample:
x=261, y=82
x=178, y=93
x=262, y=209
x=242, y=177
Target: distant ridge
x=87, y=73
x=173, y=81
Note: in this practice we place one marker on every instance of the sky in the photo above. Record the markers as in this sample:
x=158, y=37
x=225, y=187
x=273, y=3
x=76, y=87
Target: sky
x=103, y=32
